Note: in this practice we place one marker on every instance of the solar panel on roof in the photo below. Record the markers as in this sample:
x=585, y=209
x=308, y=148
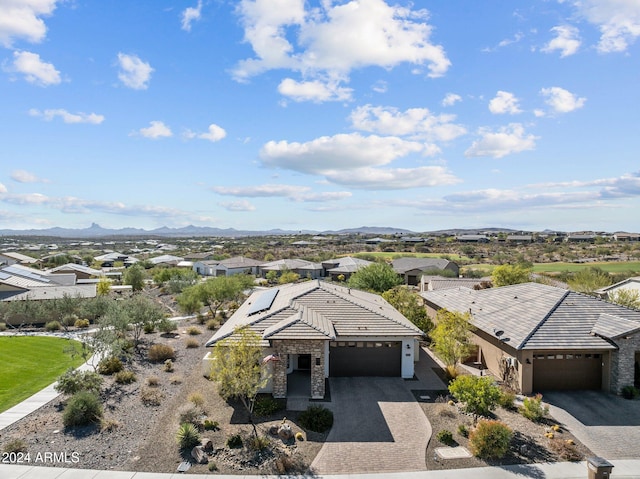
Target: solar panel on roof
x=263, y=302
x=25, y=273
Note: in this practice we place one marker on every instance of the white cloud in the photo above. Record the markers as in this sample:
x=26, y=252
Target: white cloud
x=213, y=134
x=157, y=129
x=330, y=41
x=417, y=123
x=67, y=117
x=504, y=102
x=617, y=20
x=393, y=178
x=190, y=15
x=451, y=99
x=292, y=192
x=339, y=152
x=380, y=86
x=567, y=40
x=506, y=141
x=134, y=73
x=23, y=176
x=504, y=43
x=242, y=205
x=561, y=100
x=22, y=19
x=34, y=69
x=315, y=90
x=3, y=189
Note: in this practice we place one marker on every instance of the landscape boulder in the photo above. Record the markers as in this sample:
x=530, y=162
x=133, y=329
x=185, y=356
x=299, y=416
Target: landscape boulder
x=199, y=455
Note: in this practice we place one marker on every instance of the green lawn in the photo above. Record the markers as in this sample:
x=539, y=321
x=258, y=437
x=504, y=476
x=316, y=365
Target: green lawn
x=30, y=363
x=610, y=266
x=398, y=254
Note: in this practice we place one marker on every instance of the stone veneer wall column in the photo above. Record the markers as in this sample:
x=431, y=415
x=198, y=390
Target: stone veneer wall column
x=299, y=346
x=622, y=362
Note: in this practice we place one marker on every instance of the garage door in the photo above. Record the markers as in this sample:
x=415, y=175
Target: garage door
x=562, y=371
x=365, y=358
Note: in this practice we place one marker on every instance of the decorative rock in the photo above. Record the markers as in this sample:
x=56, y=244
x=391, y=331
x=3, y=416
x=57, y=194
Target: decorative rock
x=273, y=430
x=206, y=444
x=285, y=432
x=199, y=455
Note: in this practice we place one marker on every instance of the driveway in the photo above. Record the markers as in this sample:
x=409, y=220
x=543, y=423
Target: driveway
x=608, y=425
x=378, y=427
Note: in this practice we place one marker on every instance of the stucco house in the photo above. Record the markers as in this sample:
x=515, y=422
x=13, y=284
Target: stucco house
x=345, y=267
x=227, y=267
x=412, y=269
x=631, y=285
x=306, y=269
x=320, y=330
x=546, y=338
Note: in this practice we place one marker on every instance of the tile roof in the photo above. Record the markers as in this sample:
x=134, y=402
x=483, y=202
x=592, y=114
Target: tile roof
x=402, y=265
x=535, y=316
x=613, y=327
x=318, y=310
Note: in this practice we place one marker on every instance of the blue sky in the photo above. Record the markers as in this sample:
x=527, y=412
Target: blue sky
x=259, y=114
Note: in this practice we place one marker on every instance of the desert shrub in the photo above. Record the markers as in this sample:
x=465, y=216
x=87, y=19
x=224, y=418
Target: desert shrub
x=212, y=324
x=630, y=392
x=451, y=372
x=287, y=464
x=110, y=365
x=192, y=343
x=190, y=413
x=83, y=408
x=187, y=436
x=15, y=445
x=213, y=467
x=566, y=450
x=167, y=326
x=149, y=328
x=446, y=411
x=168, y=366
x=150, y=396
x=73, y=381
x=478, y=393
x=507, y=399
x=234, y=442
x=196, y=398
x=267, y=405
x=81, y=323
x=69, y=320
x=463, y=431
x=175, y=379
x=125, y=377
x=3, y=327
x=200, y=318
x=533, y=408
x=109, y=425
x=153, y=381
x=193, y=331
x=490, y=439
x=210, y=425
x=445, y=437
x=316, y=418
x=52, y=326
x=259, y=443
x=161, y=352
x=299, y=436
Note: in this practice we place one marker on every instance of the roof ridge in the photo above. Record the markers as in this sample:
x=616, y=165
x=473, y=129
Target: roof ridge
x=543, y=320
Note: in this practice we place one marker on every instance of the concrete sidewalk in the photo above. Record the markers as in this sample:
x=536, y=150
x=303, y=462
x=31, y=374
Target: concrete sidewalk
x=624, y=469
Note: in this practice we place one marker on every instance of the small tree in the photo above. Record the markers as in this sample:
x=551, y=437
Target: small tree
x=490, y=439
x=288, y=277
x=134, y=276
x=588, y=280
x=214, y=292
x=507, y=274
x=410, y=305
x=237, y=369
x=626, y=297
x=479, y=394
x=377, y=277
x=450, y=337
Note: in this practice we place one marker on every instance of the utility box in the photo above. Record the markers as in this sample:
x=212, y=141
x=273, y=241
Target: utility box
x=599, y=468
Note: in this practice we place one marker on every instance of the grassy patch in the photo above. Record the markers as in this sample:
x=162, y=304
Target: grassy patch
x=399, y=254
x=609, y=266
x=29, y=364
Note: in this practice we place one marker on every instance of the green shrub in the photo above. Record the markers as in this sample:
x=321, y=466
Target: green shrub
x=490, y=440
x=3, y=327
x=213, y=467
x=267, y=405
x=212, y=324
x=187, y=436
x=149, y=328
x=316, y=418
x=110, y=365
x=201, y=318
x=630, y=392
x=83, y=408
x=299, y=436
x=192, y=343
x=210, y=425
x=507, y=399
x=451, y=372
x=463, y=431
x=196, y=398
x=190, y=413
x=73, y=381
x=52, y=326
x=193, y=331
x=445, y=437
x=81, y=323
x=259, y=443
x=161, y=352
x=533, y=408
x=125, y=377
x=479, y=394
x=234, y=442
x=167, y=326
x=15, y=445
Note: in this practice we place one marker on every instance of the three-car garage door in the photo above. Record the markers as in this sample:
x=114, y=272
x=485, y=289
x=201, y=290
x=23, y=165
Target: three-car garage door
x=567, y=371
x=365, y=358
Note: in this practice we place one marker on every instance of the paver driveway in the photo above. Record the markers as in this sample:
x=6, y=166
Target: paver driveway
x=608, y=425
x=378, y=427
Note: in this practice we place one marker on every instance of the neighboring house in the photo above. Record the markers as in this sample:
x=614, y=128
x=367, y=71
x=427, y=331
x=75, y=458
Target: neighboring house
x=580, y=238
x=411, y=269
x=11, y=257
x=629, y=284
x=438, y=283
x=472, y=238
x=626, y=236
x=318, y=330
x=333, y=268
x=306, y=269
x=206, y=256
x=109, y=259
x=519, y=239
x=166, y=260
x=82, y=273
x=539, y=337
x=227, y=267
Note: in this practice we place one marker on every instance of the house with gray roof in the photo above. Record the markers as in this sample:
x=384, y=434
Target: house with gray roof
x=343, y=268
x=631, y=285
x=13, y=257
x=227, y=267
x=306, y=269
x=548, y=338
x=317, y=330
x=412, y=269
